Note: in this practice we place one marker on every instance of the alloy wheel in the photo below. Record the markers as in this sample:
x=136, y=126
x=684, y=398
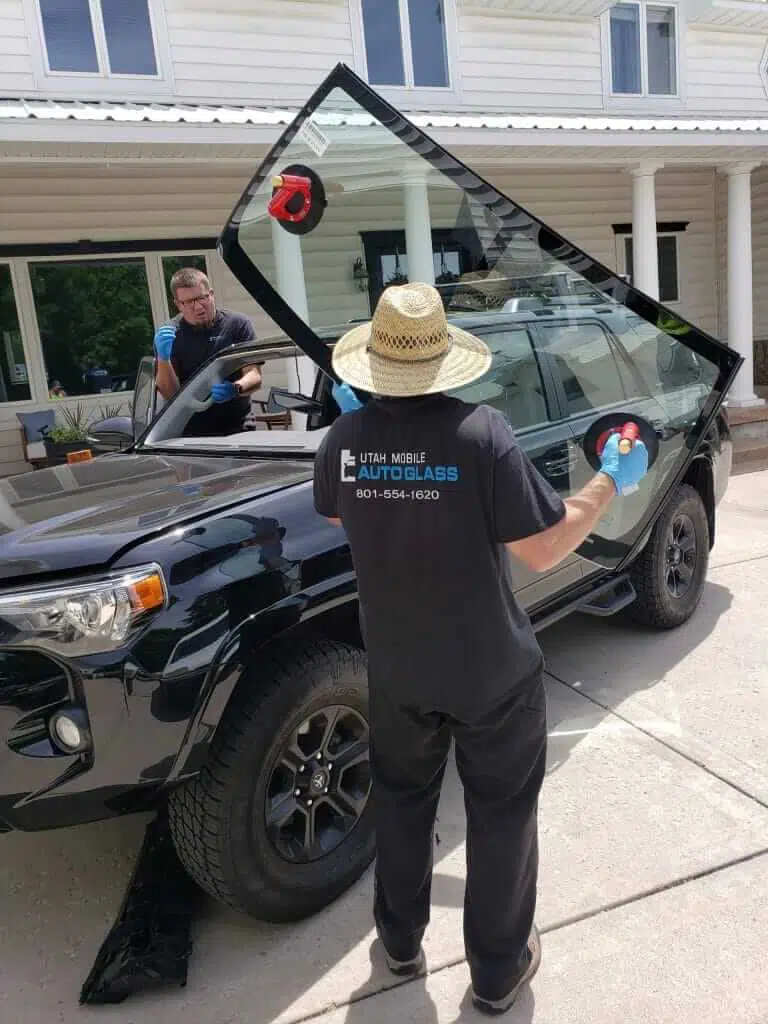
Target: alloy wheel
x=680, y=565
x=319, y=785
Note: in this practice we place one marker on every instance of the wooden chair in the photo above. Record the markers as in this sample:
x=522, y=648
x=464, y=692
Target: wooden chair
x=272, y=415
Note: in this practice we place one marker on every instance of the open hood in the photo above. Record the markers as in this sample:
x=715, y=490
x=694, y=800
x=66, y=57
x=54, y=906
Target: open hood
x=354, y=197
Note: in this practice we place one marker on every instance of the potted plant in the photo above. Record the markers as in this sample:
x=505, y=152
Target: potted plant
x=71, y=435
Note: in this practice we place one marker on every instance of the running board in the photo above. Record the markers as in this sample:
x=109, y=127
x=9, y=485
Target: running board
x=610, y=599
x=603, y=600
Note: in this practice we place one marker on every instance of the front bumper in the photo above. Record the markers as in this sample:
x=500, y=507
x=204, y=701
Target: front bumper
x=134, y=738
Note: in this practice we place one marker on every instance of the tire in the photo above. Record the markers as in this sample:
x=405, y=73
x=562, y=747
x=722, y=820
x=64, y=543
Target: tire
x=656, y=578
x=219, y=819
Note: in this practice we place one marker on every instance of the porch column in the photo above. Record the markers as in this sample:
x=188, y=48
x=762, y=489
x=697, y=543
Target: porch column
x=740, y=309
x=289, y=276
x=645, y=253
x=418, y=231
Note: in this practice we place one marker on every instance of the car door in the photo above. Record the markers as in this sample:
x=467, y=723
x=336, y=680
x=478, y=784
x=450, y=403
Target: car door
x=611, y=363
x=516, y=386
x=351, y=163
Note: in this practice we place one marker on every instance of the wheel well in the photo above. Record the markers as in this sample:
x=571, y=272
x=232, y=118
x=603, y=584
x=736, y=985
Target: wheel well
x=699, y=475
x=340, y=623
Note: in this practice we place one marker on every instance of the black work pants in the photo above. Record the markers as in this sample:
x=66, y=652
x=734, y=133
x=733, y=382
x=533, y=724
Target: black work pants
x=501, y=758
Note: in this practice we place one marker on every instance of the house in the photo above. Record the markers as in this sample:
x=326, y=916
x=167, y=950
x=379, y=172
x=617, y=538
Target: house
x=127, y=132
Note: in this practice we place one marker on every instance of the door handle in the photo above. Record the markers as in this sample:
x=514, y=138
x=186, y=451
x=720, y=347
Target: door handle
x=559, y=467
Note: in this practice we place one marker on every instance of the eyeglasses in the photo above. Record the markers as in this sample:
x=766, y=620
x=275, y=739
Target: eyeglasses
x=195, y=299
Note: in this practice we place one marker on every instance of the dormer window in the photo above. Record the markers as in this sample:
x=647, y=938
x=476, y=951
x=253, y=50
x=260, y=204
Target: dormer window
x=406, y=43
x=108, y=38
x=643, y=45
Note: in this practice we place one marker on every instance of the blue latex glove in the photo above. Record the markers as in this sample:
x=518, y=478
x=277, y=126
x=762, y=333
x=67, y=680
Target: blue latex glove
x=345, y=397
x=224, y=391
x=164, y=339
x=626, y=471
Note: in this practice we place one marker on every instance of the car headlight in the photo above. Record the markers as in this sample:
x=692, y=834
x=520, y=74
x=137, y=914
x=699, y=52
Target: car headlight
x=83, y=618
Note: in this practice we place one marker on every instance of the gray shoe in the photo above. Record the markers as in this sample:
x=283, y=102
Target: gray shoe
x=497, y=1006
x=406, y=968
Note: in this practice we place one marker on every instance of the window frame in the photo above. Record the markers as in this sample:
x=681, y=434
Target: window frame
x=417, y=93
x=30, y=331
x=18, y=403
x=623, y=239
x=632, y=99
x=102, y=83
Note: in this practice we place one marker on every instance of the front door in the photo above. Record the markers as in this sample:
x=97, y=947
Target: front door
x=351, y=163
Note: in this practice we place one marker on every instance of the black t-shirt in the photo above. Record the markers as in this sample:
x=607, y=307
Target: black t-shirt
x=429, y=490
x=191, y=348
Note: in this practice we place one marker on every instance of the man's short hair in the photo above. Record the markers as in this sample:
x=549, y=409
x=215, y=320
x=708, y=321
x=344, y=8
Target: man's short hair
x=188, y=277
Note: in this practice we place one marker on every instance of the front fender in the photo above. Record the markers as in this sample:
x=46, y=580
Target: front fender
x=236, y=657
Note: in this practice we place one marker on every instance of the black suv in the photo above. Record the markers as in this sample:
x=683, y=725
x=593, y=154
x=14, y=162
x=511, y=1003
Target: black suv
x=178, y=625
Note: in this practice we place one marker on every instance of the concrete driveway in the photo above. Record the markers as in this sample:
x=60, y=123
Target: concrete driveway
x=654, y=835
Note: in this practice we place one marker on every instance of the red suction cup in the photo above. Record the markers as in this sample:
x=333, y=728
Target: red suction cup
x=631, y=428
x=298, y=199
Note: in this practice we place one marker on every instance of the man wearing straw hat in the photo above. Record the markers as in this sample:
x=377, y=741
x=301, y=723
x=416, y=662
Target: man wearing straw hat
x=432, y=493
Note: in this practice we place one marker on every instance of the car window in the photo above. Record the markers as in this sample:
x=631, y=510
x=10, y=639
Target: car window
x=513, y=385
x=583, y=359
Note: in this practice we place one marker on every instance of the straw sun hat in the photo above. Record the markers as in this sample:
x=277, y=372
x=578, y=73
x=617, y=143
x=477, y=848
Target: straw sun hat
x=409, y=348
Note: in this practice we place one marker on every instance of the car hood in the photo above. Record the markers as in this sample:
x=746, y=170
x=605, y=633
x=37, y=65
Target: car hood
x=82, y=516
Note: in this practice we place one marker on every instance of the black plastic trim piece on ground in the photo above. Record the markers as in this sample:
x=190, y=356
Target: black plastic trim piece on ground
x=149, y=944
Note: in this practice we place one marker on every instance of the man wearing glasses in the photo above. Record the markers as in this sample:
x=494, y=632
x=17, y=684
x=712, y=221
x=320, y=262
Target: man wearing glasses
x=190, y=339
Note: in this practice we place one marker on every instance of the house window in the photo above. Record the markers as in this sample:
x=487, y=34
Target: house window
x=669, y=287
x=99, y=37
x=406, y=43
x=643, y=50
x=95, y=322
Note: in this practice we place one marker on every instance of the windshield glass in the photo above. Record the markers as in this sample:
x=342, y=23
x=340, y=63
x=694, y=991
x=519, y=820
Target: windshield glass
x=267, y=419
x=351, y=202
x=354, y=197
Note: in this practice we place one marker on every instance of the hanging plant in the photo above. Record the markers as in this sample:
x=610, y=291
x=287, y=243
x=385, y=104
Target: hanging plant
x=398, y=277
x=445, y=276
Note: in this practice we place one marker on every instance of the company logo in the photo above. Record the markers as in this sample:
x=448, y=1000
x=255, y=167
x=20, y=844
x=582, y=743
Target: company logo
x=410, y=467
x=348, y=466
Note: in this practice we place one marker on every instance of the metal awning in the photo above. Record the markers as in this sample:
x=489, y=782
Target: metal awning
x=72, y=122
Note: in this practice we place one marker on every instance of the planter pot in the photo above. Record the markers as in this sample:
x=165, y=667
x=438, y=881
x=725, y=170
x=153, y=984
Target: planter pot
x=57, y=451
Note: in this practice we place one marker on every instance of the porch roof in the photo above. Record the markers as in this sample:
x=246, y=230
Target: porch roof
x=35, y=121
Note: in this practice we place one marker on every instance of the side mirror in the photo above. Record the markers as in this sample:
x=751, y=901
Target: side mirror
x=111, y=435
x=292, y=401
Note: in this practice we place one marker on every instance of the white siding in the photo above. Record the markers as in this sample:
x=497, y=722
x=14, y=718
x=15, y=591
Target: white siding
x=759, y=250
x=722, y=73
x=508, y=63
x=56, y=202
x=16, y=69
x=272, y=52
